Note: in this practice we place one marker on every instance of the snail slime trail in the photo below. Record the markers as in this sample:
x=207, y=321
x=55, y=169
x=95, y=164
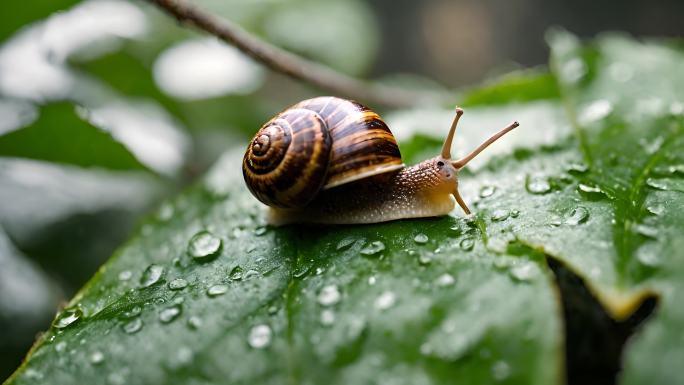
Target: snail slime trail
x=331, y=160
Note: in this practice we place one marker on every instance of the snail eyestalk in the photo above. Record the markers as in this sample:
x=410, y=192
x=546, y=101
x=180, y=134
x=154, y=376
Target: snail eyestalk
x=446, y=149
x=461, y=202
x=458, y=164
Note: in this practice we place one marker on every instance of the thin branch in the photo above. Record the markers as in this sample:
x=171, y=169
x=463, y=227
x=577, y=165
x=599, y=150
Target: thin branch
x=295, y=66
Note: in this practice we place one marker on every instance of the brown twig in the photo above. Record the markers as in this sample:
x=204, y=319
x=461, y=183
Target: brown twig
x=295, y=66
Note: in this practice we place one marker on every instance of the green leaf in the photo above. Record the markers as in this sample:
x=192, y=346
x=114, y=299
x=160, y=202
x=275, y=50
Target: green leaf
x=627, y=99
x=341, y=303
x=61, y=135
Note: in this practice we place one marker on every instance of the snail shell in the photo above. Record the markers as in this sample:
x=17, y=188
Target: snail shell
x=317, y=144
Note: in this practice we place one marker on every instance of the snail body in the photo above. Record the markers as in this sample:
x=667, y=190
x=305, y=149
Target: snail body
x=331, y=160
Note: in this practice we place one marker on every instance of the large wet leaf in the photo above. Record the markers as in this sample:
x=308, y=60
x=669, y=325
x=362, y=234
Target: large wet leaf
x=206, y=294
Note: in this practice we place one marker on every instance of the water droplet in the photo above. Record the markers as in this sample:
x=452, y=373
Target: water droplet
x=537, y=185
x=96, y=357
x=501, y=370
x=67, y=317
x=165, y=212
x=133, y=326
x=345, y=243
x=372, y=280
x=250, y=274
x=421, y=238
x=132, y=313
x=319, y=270
x=649, y=254
x=445, y=279
x=524, y=271
x=424, y=259
x=170, y=313
x=194, y=322
x=125, y=275
x=657, y=209
x=385, y=301
x=577, y=168
x=373, y=248
x=261, y=230
x=178, y=284
x=591, y=192
x=500, y=215
x=151, y=275
x=487, y=191
x=327, y=317
x=329, y=295
x=259, y=336
x=645, y=230
x=217, y=290
x=204, y=246
x=577, y=215
x=61, y=346
x=235, y=274
x=657, y=184
x=467, y=243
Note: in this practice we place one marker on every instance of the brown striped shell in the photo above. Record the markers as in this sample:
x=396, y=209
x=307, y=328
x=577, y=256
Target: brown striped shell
x=317, y=144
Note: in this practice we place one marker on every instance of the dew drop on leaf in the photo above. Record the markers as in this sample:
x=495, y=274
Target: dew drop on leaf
x=170, y=313
x=345, y=243
x=445, y=279
x=261, y=230
x=194, y=322
x=577, y=215
x=250, y=274
x=134, y=312
x=386, y=300
x=525, y=271
x=204, y=246
x=421, y=239
x=467, y=243
x=657, y=184
x=500, y=215
x=591, y=192
x=178, y=284
x=125, y=275
x=327, y=317
x=96, y=357
x=133, y=326
x=329, y=295
x=373, y=248
x=487, y=191
x=217, y=290
x=235, y=274
x=656, y=209
x=151, y=275
x=537, y=185
x=649, y=255
x=577, y=168
x=67, y=317
x=259, y=336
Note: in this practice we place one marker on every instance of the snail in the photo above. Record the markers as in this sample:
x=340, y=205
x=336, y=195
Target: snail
x=331, y=160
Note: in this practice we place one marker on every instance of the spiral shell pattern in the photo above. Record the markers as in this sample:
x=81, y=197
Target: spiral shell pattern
x=317, y=144
x=286, y=162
